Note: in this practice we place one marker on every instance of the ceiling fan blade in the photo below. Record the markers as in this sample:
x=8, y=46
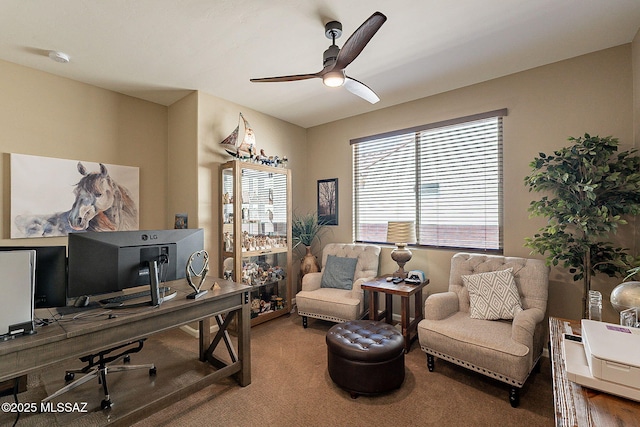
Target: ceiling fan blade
x=358, y=40
x=360, y=89
x=286, y=78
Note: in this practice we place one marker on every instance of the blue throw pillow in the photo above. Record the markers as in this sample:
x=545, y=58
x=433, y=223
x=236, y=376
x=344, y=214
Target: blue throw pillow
x=338, y=272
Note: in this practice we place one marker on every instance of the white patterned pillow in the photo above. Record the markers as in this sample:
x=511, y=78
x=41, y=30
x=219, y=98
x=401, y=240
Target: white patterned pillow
x=493, y=295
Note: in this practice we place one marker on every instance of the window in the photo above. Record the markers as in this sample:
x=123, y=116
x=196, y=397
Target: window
x=446, y=177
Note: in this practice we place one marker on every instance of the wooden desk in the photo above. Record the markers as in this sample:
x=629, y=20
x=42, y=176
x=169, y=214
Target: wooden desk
x=580, y=406
x=65, y=340
x=405, y=291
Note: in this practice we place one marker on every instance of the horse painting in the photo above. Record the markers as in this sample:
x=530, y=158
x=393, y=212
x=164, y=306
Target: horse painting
x=101, y=204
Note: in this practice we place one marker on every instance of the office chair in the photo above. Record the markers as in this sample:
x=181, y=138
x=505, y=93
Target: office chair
x=100, y=368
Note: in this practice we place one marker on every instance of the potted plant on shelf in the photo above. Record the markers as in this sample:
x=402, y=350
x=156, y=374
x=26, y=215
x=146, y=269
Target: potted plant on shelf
x=305, y=230
x=588, y=188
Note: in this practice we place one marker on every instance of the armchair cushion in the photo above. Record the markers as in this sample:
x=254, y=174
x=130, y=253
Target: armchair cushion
x=336, y=304
x=493, y=295
x=338, y=272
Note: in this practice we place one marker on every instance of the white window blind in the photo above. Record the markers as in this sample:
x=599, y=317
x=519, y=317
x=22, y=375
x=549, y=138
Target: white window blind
x=446, y=177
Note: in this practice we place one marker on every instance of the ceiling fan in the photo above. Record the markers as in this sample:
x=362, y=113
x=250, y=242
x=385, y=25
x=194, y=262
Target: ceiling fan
x=335, y=60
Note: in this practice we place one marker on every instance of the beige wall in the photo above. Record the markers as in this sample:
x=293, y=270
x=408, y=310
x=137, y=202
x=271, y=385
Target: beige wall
x=178, y=152
x=176, y=148
x=591, y=93
x=45, y=115
x=216, y=119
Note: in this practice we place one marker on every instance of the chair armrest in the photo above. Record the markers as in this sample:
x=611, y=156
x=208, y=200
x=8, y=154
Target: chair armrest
x=441, y=305
x=356, y=290
x=524, y=326
x=311, y=281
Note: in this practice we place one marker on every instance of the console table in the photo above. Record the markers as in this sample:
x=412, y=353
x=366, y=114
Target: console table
x=580, y=406
x=66, y=340
x=405, y=291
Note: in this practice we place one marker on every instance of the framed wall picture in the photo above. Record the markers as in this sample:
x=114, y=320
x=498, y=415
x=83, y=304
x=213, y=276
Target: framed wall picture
x=328, y=201
x=54, y=197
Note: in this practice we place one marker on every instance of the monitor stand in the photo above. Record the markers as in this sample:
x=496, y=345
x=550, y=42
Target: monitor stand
x=154, y=281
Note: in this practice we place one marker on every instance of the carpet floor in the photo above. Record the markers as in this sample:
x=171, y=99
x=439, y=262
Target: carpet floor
x=291, y=387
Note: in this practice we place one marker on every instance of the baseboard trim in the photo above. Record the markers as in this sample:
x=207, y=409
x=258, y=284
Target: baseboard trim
x=194, y=332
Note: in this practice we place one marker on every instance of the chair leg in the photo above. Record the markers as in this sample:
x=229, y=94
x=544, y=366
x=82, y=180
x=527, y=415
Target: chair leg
x=536, y=367
x=430, y=362
x=106, y=403
x=304, y=322
x=514, y=397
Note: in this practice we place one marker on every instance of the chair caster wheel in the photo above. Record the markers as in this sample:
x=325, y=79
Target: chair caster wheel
x=105, y=404
x=127, y=359
x=153, y=372
x=69, y=376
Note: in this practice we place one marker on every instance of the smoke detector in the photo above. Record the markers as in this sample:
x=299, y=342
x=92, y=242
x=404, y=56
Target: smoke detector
x=61, y=57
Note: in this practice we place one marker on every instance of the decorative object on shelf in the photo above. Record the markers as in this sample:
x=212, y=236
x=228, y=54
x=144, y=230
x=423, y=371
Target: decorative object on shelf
x=263, y=159
x=590, y=177
x=402, y=233
x=245, y=149
x=255, y=234
x=201, y=275
x=305, y=230
x=328, y=201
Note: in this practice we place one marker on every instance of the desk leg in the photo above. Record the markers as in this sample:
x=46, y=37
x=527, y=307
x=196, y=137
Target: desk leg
x=243, y=357
x=222, y=334
x=204, y=337
x=227, y=340
x=244, y=342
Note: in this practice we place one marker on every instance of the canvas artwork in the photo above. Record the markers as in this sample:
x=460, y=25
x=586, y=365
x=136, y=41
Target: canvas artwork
x=53, y=197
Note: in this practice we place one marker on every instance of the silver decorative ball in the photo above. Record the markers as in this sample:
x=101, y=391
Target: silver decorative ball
x=625, y=295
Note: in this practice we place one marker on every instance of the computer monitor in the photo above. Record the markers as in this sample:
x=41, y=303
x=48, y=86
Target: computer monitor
x=105, y=262
x=51, y=274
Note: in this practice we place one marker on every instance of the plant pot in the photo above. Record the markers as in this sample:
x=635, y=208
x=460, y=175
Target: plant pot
x=308, y=263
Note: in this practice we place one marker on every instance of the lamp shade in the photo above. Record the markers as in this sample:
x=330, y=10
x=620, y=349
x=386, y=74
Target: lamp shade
x=401, y=232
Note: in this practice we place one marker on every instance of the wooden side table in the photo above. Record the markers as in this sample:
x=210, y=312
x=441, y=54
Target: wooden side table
x=405, y=291
x=578, y=406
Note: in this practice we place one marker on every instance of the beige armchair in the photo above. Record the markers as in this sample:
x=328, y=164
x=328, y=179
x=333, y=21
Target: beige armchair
x=506, y=350
x=321, y=300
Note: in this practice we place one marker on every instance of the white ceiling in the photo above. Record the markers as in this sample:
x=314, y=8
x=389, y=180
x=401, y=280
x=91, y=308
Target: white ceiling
x=159, y=50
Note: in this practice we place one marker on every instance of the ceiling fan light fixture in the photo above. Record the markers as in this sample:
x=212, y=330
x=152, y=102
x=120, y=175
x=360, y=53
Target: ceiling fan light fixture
x=333, y=78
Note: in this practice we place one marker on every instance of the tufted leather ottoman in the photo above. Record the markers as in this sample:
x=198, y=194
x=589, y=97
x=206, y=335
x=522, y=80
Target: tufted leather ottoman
x=365, y=356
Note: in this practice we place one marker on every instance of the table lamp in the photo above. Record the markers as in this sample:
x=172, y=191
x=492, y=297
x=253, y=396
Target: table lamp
x=401, y=233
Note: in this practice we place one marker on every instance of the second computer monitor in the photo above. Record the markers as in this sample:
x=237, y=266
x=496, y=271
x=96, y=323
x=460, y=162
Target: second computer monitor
x=103, y=262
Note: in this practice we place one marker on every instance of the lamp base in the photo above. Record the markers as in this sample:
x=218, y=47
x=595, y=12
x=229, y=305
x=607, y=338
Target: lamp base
x=400, y=273
x=401, y=255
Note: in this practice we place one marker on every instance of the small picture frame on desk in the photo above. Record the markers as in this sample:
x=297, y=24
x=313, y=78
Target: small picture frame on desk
x=181, y=221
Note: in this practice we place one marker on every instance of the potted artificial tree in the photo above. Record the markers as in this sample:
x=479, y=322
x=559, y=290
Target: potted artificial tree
x=588, y=186
x=305, y=230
